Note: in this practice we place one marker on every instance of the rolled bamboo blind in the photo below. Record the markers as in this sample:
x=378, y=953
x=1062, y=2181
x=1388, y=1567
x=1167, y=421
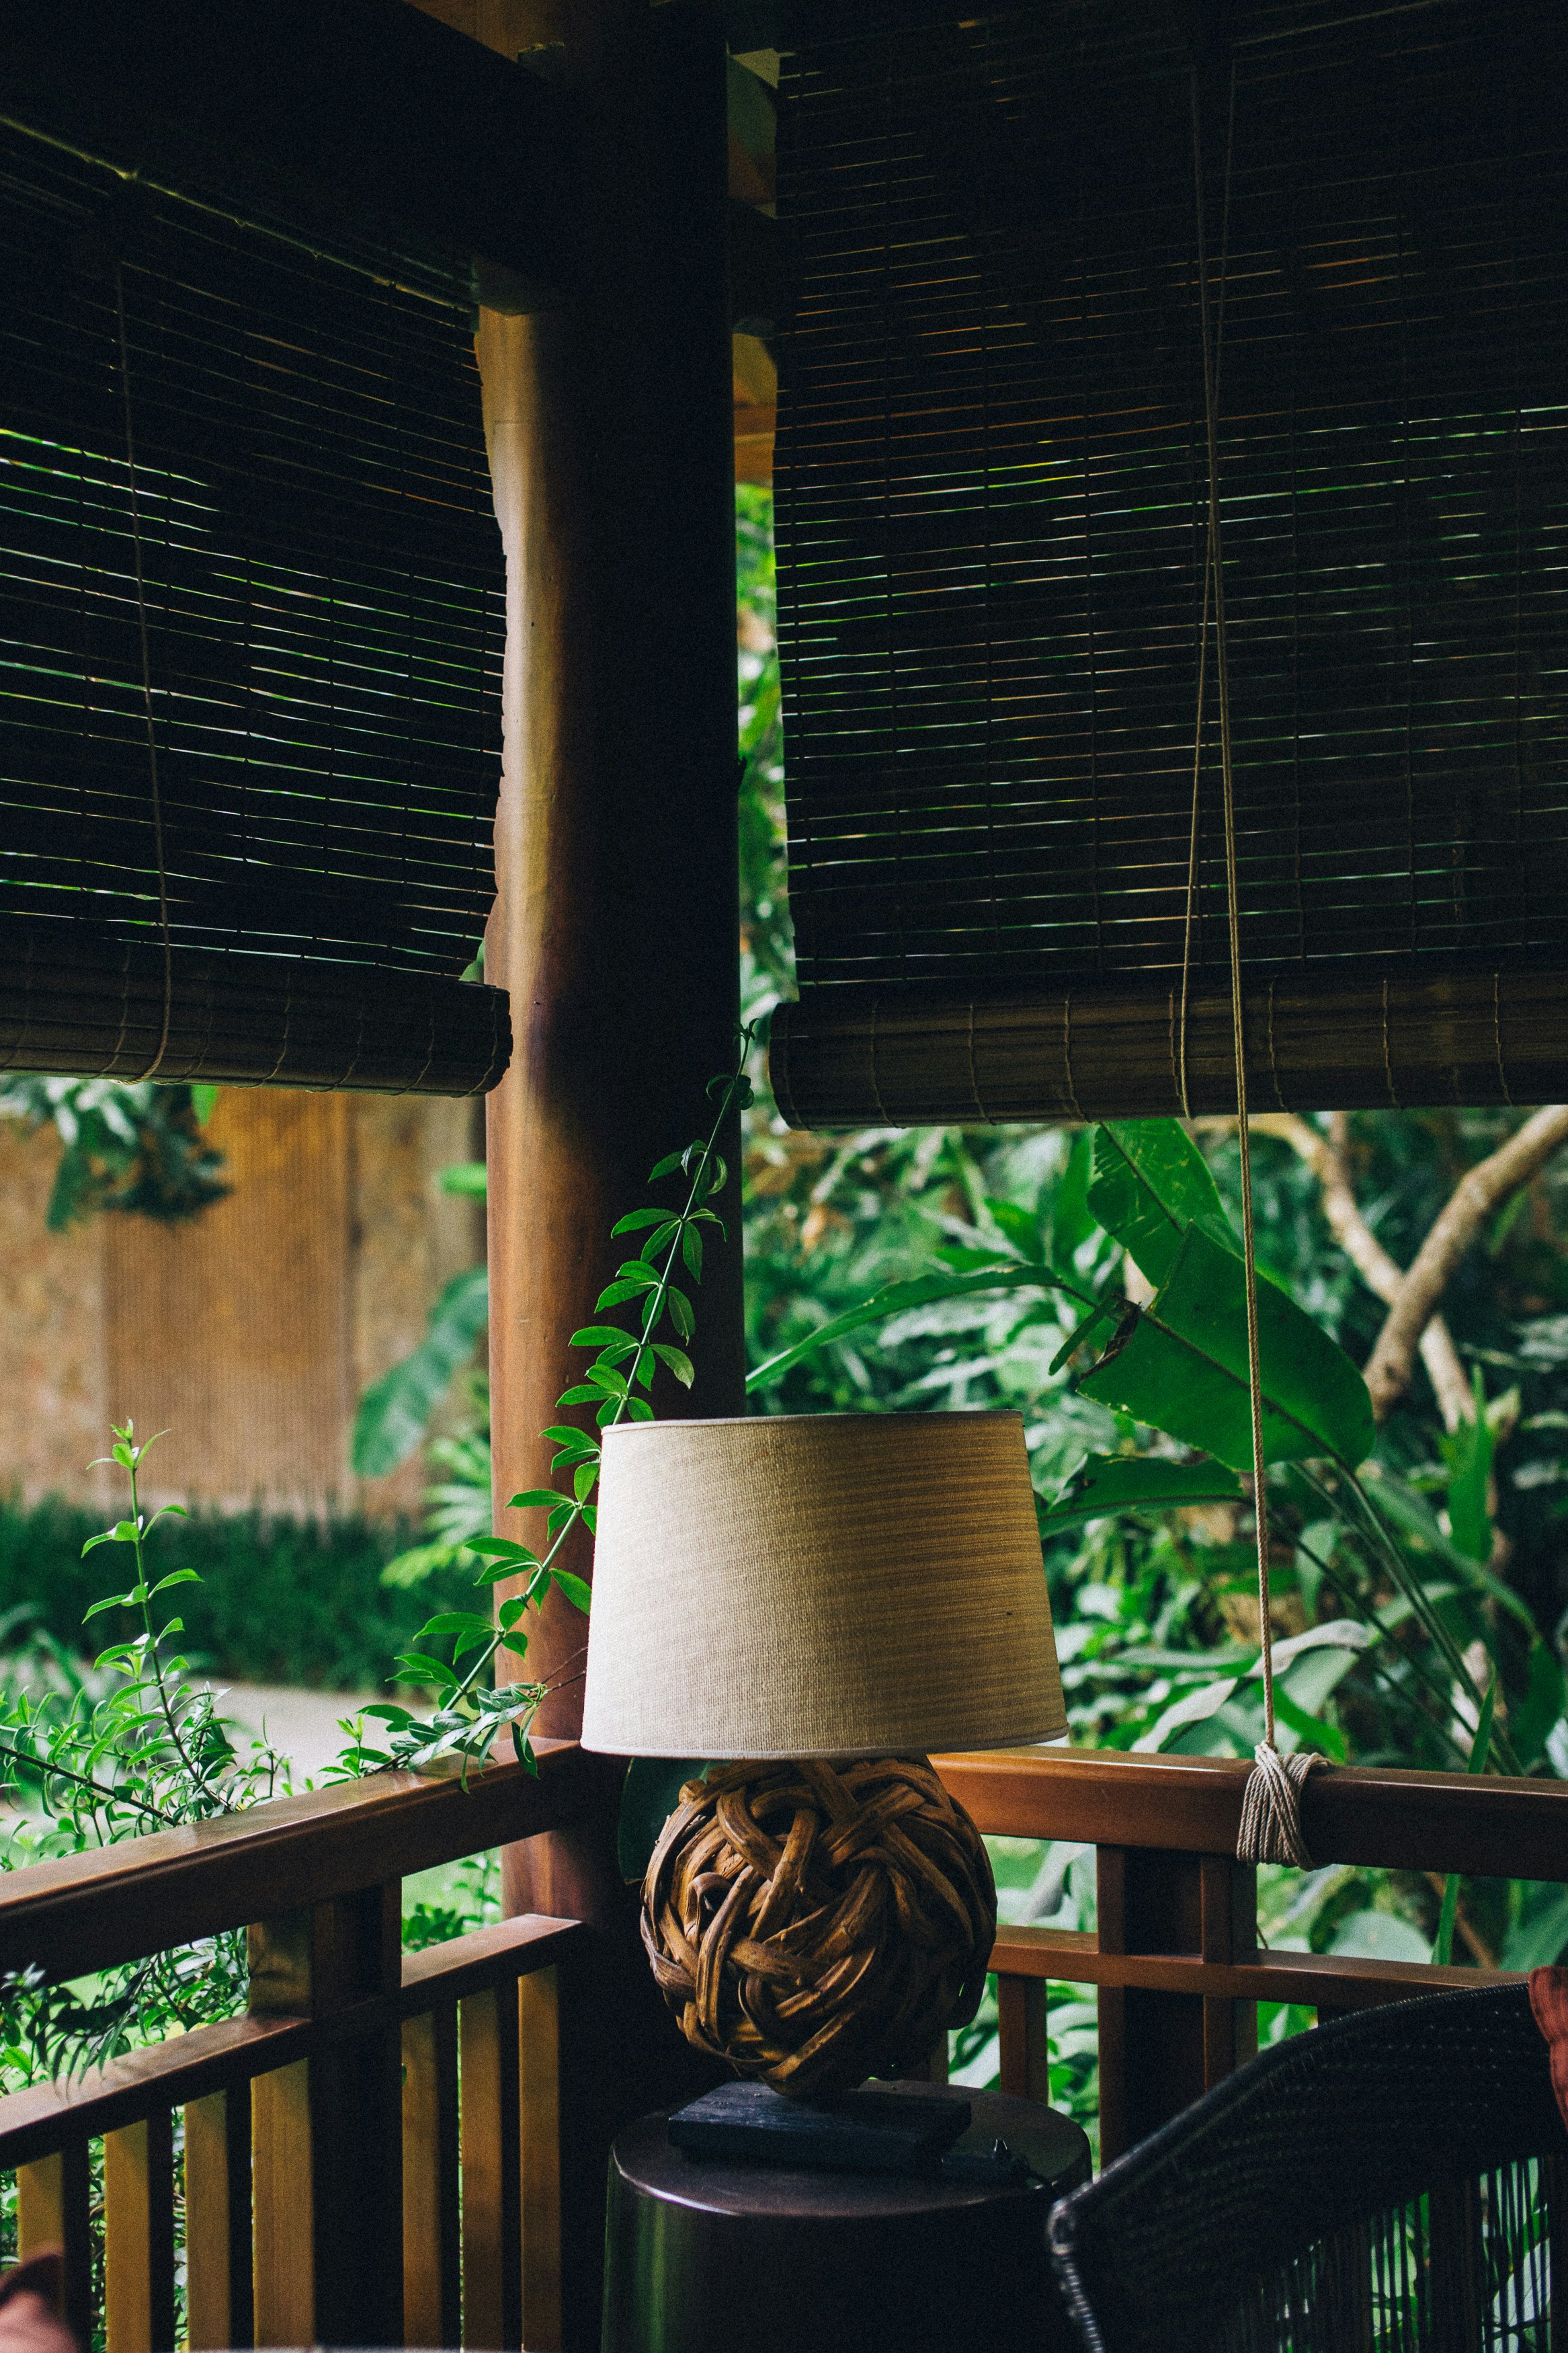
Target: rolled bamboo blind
x=1113, y=1050
x=76, y=1000
x=990, y=506
x=324, y=602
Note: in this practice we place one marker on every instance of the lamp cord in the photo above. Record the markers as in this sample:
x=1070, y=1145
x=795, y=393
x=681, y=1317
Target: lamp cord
x=146, y=677
x=1270, y=1830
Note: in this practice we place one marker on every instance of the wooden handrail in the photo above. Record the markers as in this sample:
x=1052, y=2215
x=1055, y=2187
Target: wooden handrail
x=1346, y=1980
x=116, y=1904
x=377, y=2146
x=1485, y=1826
x=209, y=2059
x=493, y=2036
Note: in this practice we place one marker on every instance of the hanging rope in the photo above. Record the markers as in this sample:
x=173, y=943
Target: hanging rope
x=1270, y=1828
x=146, y=678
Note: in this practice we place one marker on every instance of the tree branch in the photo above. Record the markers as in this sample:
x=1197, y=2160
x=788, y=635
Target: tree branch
x=1475, y=1198
x=1328, y=1158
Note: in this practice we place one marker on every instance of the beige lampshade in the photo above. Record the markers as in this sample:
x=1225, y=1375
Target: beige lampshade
x=819, y=1586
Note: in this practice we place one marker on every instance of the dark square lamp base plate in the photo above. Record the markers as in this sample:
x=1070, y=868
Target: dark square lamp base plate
x=869, y=2131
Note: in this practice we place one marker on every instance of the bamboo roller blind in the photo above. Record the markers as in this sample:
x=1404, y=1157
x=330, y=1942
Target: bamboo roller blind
x=990, y=488
x=325, y=611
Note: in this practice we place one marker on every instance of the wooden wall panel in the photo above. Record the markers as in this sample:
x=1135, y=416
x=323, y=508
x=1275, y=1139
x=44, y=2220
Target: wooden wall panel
x=249, y=1332
x=408, y=1239
x=231, y=1330
x=51, y=1329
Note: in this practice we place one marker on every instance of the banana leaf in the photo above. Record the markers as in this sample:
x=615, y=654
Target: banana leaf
x=1104, y=1484
x=1149, y=1183
x=394, y=1411
x=1181, y=1366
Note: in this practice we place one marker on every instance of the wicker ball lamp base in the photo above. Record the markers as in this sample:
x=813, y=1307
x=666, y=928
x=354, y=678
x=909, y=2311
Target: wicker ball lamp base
x=816, y=1923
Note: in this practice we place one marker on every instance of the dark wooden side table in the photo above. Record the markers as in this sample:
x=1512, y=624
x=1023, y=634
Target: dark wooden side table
x=708, y=2256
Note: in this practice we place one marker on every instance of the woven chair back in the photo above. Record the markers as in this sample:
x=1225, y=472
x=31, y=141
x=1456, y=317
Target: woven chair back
x=1397, y=2179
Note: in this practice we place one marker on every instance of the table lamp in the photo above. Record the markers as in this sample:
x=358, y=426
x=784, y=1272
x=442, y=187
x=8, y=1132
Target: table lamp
x=816, y=1601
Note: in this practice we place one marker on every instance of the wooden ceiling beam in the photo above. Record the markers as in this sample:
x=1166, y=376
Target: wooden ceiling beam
x=364, y=113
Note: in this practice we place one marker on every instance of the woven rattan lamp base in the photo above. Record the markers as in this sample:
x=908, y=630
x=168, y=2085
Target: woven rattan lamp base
x=817, y=1923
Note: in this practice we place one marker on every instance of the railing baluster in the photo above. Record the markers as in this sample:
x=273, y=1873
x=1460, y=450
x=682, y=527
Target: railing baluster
x=52, y=2195
x=285, y=2226
x=432, y=2301
x=1021, y=2032
x=539, y=2105
x=219, y=2291
x=487, y=2039
x=139, y=2237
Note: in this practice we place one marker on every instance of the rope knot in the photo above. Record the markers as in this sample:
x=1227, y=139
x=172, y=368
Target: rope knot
x=1271, y=1828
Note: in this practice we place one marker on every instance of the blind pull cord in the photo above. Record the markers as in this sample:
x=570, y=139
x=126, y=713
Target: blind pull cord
x=146, y=681
x=1271, y=1826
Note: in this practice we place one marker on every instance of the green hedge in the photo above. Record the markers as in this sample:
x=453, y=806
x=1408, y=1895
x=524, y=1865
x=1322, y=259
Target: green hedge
x=284, y=1600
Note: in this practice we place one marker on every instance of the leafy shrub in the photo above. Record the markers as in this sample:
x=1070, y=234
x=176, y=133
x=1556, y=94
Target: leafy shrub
x=283, y=1599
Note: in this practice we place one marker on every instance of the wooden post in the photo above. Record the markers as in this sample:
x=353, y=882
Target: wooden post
x=492, y=2221
x=1158, y=2052
x=1022, y=2034
x=52, y=2198
x=432, y=2258
x=616, y=924
x=539, y=2105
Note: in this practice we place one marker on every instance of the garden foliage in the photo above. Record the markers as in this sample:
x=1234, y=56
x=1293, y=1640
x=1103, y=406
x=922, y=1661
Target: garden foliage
x=134, y=1745
x=1093, y=1282
x=282, y=1599
x=139, y=1148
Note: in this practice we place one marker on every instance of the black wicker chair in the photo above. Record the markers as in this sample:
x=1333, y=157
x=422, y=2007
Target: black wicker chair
x=1397, y=2179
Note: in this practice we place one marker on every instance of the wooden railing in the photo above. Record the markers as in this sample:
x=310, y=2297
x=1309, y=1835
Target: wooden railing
x=1176, y=1956
x=373, y=2156
x=408, y=2150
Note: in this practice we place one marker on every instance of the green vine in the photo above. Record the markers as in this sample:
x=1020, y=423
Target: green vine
x=472, y=1716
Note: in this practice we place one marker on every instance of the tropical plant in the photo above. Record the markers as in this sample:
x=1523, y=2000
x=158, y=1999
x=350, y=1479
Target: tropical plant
x=457, y=1508
x=1418, y=1602
x=141, y=1149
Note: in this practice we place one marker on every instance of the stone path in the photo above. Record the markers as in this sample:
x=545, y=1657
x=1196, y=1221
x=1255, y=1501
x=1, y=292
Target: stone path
x=302, y=1725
